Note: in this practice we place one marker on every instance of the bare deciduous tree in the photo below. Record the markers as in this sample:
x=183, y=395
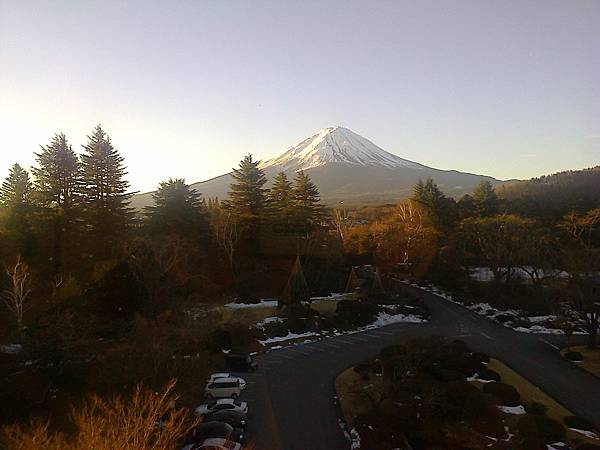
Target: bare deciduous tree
x=17, y=295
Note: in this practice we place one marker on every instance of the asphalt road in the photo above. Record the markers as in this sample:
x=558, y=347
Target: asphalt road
x=291, y=396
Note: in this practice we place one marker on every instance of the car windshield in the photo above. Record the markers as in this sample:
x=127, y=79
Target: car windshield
x=237, y=403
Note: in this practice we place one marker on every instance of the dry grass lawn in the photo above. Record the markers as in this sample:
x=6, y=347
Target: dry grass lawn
x=351, y=394
x=531, y=393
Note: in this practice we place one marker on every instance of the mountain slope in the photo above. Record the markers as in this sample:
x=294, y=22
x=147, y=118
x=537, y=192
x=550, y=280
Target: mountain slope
x=347, y=168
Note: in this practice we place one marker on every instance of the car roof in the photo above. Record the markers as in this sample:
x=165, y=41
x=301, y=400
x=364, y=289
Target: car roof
x=226, y=380
x=224, y=401
x=220, y=375
x=218, y=442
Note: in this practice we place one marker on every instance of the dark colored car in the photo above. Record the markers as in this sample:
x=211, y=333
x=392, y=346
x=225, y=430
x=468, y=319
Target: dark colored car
x=215, y=429
x=240, y=362
x=233, y=418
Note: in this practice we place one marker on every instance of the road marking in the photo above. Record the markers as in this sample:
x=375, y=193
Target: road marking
x=339, y=339
x=555, y=347
x=386, y=333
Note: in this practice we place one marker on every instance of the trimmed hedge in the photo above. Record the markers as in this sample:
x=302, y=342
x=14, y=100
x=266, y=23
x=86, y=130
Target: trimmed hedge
x=536, y=409
x=488, y=374
x=574, y=356
x=506, y=394
x=579, y=423
x=482, y=357
x=540, y=430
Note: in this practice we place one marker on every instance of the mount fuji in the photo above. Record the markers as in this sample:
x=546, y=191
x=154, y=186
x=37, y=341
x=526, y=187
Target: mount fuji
x=348, y=168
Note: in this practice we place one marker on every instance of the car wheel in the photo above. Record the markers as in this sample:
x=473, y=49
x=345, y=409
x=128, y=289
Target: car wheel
x=209, y=396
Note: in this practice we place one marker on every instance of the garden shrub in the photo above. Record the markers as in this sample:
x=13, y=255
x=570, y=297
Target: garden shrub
x=363, y=370
x=574, y=356
x=536, y=430
x=465, y=364
x=488, y=374
x=506, y=394
x=355, y=313
x=482, y=357
x=579, y=423
x=536, y=409
x=443, y=374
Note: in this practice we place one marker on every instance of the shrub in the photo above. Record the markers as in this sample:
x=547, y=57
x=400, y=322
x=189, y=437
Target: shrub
x=363, y=370
x=448, y=374
x=574, y=356
x=536, y=409
x=488, y=374
x=506, y=394
x=503, y=318
x=466, y=365
x=536, y=430
x=578, y=422
x=482, y=357
x=356, y=313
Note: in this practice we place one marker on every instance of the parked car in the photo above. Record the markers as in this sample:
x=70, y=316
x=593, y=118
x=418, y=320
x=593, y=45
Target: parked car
x=214, y=444
x=213, y=429
x=236, y=419
x=240, y=362
x=214, y=376
x=223, y=404
x=223, y=387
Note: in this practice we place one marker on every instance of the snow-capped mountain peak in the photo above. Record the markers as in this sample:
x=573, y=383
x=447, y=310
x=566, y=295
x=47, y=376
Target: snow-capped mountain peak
x=335, y=145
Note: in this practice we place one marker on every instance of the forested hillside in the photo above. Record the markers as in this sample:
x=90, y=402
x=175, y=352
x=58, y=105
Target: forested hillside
x=554, y=195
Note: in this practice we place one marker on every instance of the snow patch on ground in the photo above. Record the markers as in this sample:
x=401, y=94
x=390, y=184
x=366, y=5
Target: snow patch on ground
x=511, y=318
x=586, y=433
x=331, y=297
x=265, y=303
x=287, y=337
x=268, y=320
x=11, y=349
x=479, y=380
x=557, y=446
x=384, y=319
x=518, y=410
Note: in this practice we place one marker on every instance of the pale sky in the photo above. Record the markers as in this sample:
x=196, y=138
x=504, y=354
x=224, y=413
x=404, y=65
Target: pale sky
x=185, y=89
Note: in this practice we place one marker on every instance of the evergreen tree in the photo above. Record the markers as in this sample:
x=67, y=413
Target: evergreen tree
x=441, y=209
x=307, y=203
x=57, y=173
x=177, y=209
x=281, y=197
x=485, y=199
x=105, y=188
x=57, y=178
x=247, y=196
x=16, y=188
x=16, y=200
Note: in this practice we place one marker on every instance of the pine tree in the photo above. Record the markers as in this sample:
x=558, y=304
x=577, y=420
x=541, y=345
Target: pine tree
x=16, y=188
x=441, y=209
x=307, y=203
x=57, y=178
x=177, y=209
x=281, y=197
x=105, y=188
x=16, y=199
x=57, y=173
x=485, y=199
x=247, y=196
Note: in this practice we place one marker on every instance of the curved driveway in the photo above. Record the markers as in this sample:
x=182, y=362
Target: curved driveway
x=291, y=396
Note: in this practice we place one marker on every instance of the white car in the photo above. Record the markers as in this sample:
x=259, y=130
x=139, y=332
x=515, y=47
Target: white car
x=214, y=444
x=219, y=375
x=225, y=387
x=214, y=376
x=223, y=404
